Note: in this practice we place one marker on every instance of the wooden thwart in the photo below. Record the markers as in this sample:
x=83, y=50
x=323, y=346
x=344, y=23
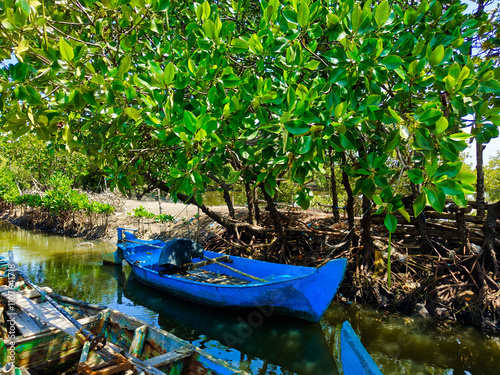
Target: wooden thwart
x=170, y=357
x=26, y=324
x=118, y=364
x=237, y=271
x=213, y=278
x=145, y=244
x=138, y=341
x=207, y=261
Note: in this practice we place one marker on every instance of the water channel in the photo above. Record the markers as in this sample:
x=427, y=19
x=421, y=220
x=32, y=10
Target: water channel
x=251, y=341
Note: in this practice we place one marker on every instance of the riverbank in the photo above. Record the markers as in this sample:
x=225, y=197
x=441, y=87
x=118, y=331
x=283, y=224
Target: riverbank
x=184, y=223
x=442, y=283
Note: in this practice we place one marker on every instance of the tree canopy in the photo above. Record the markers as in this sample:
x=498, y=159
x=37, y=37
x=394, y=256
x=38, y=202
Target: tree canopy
x=190, y=94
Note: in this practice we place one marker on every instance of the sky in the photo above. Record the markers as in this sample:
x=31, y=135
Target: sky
x=489, y=152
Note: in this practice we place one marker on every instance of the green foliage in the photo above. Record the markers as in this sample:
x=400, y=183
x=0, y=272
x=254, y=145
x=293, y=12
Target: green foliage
x=164, y=218
x=60, y=198
x=8, y=189
x=34, y=162
x=492, y=178
x=141, y=212
x=32, y=200
x=100, y=208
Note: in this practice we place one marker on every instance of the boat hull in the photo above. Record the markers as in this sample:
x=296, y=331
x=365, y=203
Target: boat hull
x=300, y=292
x=48, y=350
x=355, y=359
x=123, y=330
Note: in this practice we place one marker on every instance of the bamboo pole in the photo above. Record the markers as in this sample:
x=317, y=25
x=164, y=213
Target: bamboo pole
x=211, y=260
x=237, y=271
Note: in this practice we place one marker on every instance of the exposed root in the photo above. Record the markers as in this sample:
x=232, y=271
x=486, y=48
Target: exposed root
x=441, y=282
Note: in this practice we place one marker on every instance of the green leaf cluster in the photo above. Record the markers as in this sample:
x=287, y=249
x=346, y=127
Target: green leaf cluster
x=192, y=93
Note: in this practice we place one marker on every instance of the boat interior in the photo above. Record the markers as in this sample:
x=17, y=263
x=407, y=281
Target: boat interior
x=98, y=341
x=207, y=266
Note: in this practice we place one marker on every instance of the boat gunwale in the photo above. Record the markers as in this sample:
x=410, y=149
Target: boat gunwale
x=309, y=272
x=184, y=344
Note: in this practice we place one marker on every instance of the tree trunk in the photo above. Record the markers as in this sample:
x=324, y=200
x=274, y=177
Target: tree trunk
x=366, y=236
x=335, y=197
x=279, y=244
x=425, y=242
x=353, y=239
x=158, y=197
x=225, y=194
x=490, y=234
x=463, y=231
x=480, y=180
x=273, y=211
x=253, y=206
x=228, y=200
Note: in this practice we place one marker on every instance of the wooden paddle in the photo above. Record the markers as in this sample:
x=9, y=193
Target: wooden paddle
x=235, y=270
x=80, y=332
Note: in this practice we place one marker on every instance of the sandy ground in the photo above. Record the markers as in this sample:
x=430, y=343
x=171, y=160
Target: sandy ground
x=186, y=223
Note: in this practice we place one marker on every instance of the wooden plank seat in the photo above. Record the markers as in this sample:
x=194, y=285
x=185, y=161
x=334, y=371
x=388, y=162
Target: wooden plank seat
x=26, y=325
x=206, y=262
x=213, y=278
x=31, y=318
x=169, y=357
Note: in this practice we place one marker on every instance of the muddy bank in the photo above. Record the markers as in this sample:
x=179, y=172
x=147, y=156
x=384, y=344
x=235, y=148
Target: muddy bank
x=78, y=224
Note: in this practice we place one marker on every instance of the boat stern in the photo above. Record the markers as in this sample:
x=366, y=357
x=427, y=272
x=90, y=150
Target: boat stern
x=306, y=297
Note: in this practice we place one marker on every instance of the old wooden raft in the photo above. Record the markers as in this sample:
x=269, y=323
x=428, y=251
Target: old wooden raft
x=38, y=338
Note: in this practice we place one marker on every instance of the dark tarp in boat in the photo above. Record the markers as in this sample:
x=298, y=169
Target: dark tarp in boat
x=178, y=252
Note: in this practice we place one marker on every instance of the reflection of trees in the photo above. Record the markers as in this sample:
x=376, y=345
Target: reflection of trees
x=75, y=277
x=287, y=346
x=58, y=262
x=414, y=345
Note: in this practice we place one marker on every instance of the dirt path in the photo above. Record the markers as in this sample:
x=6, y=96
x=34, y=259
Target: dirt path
x=186, y=223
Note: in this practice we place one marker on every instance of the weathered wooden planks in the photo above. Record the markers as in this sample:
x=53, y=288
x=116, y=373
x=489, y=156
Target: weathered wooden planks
x=170, y=357
x=213, y=278
x=25, y=323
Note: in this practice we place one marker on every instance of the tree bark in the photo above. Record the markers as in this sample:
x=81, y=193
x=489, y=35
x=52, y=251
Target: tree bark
x=253, y=206
x=490, y=234
x=226, y=194
x=353, y=239
x=366, y=236
x=335, y=197
x=463, y=231
x=228, y=200
x=480, y=180
x=276, y=218
x=425, y=242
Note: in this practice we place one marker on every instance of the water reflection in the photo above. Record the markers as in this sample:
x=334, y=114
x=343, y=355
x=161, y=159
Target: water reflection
x=416, y=345
x=295, y=346
x=400, y=344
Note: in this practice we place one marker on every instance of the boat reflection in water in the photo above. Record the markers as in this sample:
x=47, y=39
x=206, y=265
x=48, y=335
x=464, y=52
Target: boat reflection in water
x=292, y=345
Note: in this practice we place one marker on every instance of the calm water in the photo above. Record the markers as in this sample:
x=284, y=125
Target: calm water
x=274, y=345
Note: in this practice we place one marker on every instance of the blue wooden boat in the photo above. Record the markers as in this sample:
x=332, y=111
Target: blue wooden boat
x=355, y=358
x=181, y=267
